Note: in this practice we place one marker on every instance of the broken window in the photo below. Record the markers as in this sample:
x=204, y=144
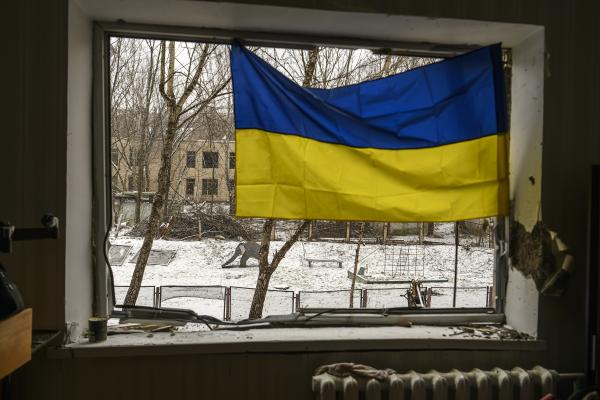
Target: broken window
x=190, y=185
x=190, y=160
x=210, y=187
x=210, y=159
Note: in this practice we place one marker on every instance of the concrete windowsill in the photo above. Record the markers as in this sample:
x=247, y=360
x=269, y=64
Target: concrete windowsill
x=290, y=340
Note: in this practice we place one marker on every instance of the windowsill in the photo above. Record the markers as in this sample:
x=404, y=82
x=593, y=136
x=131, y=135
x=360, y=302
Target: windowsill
x=292, y=340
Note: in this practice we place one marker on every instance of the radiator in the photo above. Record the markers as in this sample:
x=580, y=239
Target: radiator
x=497, y=384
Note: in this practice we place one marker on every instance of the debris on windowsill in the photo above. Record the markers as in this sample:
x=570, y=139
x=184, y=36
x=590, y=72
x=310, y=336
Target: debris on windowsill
x=496, y=332
x=139, y=328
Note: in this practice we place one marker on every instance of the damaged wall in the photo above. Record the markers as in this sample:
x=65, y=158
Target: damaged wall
x=526, y=125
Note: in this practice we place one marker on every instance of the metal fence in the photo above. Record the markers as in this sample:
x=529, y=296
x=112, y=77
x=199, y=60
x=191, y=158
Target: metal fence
x=466, y=297
x=233, y=303
x=477, y=232
x=240, y=300
x=329, y=299
x=386, y=297
x=146, y=297
x=206, y=300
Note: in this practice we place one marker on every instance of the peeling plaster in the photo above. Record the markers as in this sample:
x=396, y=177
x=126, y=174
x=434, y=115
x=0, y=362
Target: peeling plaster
x=532, y=253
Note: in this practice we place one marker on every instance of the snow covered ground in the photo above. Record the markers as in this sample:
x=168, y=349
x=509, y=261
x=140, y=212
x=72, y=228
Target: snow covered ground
x=198, y=263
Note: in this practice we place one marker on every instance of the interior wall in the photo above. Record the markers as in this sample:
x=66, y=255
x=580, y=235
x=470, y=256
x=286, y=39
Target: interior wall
x=78, y=263
x=33, y=149
x=232, y=376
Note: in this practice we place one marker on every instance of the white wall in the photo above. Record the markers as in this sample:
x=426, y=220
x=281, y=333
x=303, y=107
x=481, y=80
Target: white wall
x=526, y=161
x=79, y=285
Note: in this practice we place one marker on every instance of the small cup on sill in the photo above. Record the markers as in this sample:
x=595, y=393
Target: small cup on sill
x=97, y=329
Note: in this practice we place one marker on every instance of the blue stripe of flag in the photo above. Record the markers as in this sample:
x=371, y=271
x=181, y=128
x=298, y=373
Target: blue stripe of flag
x=454, y=100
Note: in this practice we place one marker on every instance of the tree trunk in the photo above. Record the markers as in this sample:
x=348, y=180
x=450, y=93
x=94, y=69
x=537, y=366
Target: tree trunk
x=260, y=293
x=164, y=175
x=143, y=149
x=175, y=110
x=430, y=228
x=360, y=235
x=147, y=176
x=139, y=186
x=265, y=270
x=262, y=283
x=311, y=67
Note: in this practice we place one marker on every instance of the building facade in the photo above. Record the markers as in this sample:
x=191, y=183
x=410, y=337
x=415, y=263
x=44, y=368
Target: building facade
x=201, y=170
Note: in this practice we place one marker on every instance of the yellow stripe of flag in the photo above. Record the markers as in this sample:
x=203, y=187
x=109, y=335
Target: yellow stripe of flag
x=292, y=177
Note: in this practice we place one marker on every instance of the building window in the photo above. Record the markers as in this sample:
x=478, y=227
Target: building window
x=231, y=184
x=231, y=160
x=210, y=186
x=190, y=159
x=130, y=183
x=190, y=186
x=210, y=159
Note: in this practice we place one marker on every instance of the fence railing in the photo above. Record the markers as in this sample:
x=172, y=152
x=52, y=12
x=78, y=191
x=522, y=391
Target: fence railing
x=146, y=296
x=276, y=302
x=386, y=297
x=478, y=232
x=329, y=299
x=471, y=297
x=233, y=302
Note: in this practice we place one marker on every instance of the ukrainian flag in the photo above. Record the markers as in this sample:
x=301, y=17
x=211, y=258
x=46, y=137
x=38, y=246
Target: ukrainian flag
x=428, y=144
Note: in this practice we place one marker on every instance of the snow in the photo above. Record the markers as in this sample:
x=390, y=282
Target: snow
x=199, y=263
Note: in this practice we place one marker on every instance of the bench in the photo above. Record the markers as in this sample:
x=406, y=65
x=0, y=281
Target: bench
x=313, y=260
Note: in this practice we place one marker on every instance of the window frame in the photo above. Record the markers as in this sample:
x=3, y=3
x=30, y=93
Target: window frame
x=208, y=184
x=190, y=182
x=206, y=159
x=104, y=293
x=190, y=159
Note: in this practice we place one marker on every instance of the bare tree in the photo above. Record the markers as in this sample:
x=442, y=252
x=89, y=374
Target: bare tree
x=175, y=88
x=145, y=130
x=136, y=114
x=266, y=269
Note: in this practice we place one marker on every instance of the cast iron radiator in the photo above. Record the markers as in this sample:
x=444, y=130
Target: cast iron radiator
x=497, y=384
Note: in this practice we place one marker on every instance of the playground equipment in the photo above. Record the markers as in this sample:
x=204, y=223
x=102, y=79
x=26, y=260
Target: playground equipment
x=405, y=261
x=396, y=264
